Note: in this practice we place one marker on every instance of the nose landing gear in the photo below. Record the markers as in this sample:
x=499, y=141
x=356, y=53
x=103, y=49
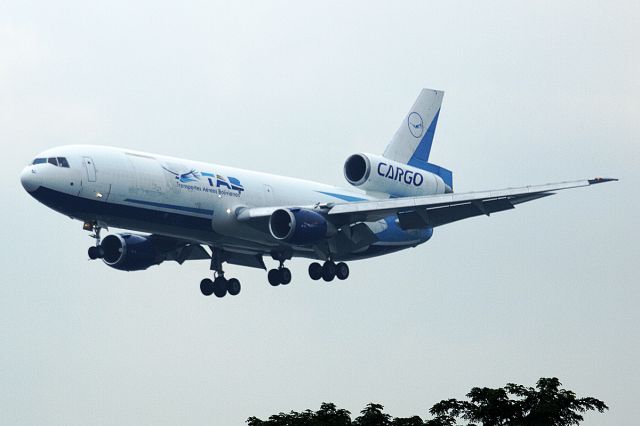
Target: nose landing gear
x=94, y=252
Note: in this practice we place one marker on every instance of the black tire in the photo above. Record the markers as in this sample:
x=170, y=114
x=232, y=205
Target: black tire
x=342, y=271
x=328, y=271
x=220, y=287
x=233, y=287
x=274, y=277
x=315, y=271
x=285, y=276
x=206, y=287
x=94, y=252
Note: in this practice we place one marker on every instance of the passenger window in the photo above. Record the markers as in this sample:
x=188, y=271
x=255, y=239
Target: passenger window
x=53, y=161
x=39, y=161
x=62, y=162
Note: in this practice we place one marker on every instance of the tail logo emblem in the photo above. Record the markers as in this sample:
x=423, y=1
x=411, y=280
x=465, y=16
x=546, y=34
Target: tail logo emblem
x=416, y=125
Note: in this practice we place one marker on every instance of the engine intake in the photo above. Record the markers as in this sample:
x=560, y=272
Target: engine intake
x=129, y=252
x=357, y=169
x=299, y=226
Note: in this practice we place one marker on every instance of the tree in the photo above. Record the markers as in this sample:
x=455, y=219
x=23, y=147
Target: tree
x=329, y=415
x=512, y=405
x=492, y=407
x=442, y=420
x=372, y=415
x=548, y=405
x=408, y=421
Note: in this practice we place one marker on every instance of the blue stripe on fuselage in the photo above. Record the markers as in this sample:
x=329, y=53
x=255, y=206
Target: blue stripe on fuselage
x=170, y=206
x=343, y=197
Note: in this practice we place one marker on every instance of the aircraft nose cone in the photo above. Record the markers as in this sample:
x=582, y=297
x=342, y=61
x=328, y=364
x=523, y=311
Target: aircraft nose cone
x=30, y=179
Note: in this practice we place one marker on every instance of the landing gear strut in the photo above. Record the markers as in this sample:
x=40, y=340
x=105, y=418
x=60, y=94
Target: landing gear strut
x=328, y=271
x=220, y=286
x=94, y=252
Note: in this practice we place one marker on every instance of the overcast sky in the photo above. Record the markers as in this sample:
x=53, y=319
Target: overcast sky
x=536, y=92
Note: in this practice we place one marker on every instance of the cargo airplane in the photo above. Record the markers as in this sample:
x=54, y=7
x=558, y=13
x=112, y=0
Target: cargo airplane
x=183, y=210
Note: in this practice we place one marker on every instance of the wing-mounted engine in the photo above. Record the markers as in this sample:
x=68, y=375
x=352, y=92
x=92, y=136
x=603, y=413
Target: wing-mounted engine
x=374, y=173
x=130, y=252
x=133, y=252
x=299, y=226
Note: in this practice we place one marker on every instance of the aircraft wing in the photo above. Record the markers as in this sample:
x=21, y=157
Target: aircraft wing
x=181, y=250
x=178, y=249
x=437, y=210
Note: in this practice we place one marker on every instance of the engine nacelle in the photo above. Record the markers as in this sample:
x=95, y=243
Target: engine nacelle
x=129, y=252
x=379, y=174
x=299, y=226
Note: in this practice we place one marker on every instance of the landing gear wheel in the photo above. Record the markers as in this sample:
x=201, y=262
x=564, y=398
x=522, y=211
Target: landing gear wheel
x=285, y=276
x=220, y=287
x=328, y=271
x=274, y=277
x=95, y=252
x=206, y=287
x=233, y=287
x=342, y=271
x=315, y=271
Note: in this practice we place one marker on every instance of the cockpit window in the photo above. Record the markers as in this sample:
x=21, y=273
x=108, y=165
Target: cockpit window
x=56, y=161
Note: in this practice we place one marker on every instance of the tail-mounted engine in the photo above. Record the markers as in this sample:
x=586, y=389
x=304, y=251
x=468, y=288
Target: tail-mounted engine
x=375, y=173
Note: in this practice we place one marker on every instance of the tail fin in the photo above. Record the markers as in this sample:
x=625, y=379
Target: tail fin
x=412, y=142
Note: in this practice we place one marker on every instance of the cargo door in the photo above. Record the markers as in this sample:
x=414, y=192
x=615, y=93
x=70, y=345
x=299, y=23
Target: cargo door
x=269, y=199
x=91, y=186
x=89, y=168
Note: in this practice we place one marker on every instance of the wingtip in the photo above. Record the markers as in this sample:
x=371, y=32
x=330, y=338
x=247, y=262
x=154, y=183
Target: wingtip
x=601, y=180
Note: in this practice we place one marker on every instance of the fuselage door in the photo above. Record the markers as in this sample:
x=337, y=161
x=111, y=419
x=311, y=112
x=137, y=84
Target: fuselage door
x=91, y=188
x=90, y=168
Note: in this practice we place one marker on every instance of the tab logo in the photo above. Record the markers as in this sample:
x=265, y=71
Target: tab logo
x=228, y=182
x=214, y=180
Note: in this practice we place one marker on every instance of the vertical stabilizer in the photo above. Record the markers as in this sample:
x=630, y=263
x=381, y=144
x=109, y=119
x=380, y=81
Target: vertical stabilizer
x=412, y=142
x=415, y=135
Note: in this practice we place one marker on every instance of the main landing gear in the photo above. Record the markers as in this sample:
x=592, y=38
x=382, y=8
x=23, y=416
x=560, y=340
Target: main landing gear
x=220, y=286
x=281, y=275
x=328, y=271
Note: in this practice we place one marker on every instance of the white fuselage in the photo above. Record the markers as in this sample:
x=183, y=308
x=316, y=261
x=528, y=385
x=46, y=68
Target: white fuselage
x=186, y=199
